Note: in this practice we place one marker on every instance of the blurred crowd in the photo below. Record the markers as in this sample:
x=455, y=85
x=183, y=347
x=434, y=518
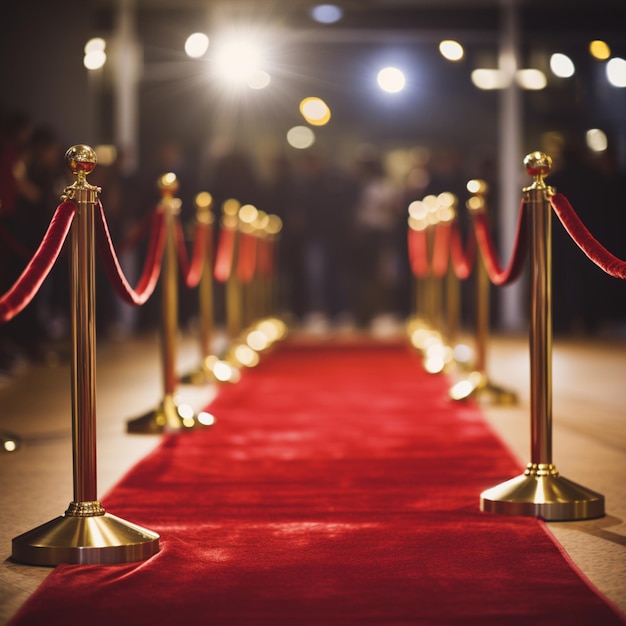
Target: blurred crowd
x=343, y=258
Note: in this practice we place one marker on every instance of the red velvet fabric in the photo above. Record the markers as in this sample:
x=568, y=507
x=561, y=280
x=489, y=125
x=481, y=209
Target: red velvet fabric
x=418, y=253
x=191, y=271
x=594, y=250
x=247, y=257
x=462, y=260
x=152, y=263
x=497, y=274
x=17, y=298
x=339, y=486
x=441, y=250
x=225, y=253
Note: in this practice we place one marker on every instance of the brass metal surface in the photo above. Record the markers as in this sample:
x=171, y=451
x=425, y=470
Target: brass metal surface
x=99, y=539
x=478, y=384
x=541, y=491
x=86, y=533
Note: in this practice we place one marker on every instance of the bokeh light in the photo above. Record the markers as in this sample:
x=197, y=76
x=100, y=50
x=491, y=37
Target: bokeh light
x=561, y=65
x=599, y=50
x=616, y=72
x=315, y=111
x=451, y=50
x=326, y=13
x=391, y=79
x=300, y=137
x=196, y=45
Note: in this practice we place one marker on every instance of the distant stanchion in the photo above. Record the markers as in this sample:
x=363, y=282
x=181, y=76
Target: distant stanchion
x=541, y=491
x=434, y=328
x=204, y=373
x=86, y=533
x=253, y=288
x=170, y=415
x=477, y=384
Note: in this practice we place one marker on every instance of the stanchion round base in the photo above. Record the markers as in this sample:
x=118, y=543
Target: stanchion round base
x=551, y=497
x=100, y=539
x=169, y=417
x=478, y=386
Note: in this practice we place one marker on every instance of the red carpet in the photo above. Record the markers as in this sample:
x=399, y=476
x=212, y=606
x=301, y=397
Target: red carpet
x=339, y=486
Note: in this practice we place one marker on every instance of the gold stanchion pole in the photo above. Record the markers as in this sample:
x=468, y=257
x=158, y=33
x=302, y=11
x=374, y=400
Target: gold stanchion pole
x=86, y=533
x=540, y=491
x=477, y=384
x=169, y=416
x=419, y=327
x=205, y=372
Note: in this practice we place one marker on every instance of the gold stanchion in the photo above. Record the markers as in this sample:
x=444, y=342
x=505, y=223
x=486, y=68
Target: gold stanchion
x=205, y=372
x=85, y=533
x=169, y=416
x=477, y=384
x=540, y=491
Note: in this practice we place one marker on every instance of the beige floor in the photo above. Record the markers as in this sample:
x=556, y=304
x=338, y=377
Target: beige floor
x=589, y=441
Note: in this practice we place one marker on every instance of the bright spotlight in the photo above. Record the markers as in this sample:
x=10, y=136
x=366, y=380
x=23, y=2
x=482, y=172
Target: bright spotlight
x=196, y=45
x=238, y=59
x=391, y=80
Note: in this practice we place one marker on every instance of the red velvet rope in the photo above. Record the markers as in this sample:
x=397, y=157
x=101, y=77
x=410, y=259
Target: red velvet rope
x=247, y=257
x=418, y=253
x=152, y=264
x=192, y=271
x=15, y=246
x=31, y=279
x=266, y=260
x=441, y=250
x=595, y=251
x=462, y=260
x=225, y=253
x=497, y=275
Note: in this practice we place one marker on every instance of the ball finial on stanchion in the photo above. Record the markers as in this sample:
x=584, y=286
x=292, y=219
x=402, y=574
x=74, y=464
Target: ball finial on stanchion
x=538, y=164
x=81, y=158
x=168, y=184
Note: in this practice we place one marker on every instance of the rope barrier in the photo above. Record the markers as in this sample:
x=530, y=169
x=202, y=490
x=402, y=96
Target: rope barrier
x=225, y=254
x=152, y=264
x=418, y=254
x=191, y=271
x=441, y=250
x=27, y=285
x=462, y=258
x=497, y=274
x=594, y=250
x=247, y=257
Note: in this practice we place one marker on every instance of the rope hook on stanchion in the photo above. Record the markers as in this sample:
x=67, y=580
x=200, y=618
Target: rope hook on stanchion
x=540, y=491
x=478, y=384
x=85, y=533
x=169, y=416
